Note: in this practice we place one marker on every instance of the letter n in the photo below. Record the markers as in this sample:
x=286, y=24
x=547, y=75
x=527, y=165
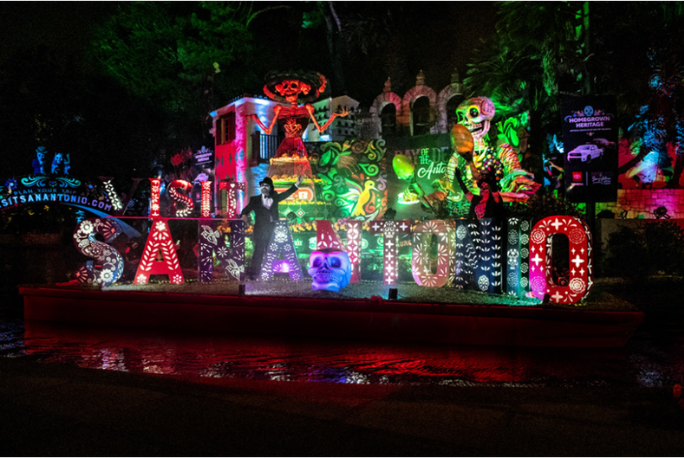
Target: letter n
x=212, y=242
x=478, y=255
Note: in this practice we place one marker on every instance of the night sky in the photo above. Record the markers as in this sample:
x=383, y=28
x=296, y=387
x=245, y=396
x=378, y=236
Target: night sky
x=438, y=36
x=64, y=26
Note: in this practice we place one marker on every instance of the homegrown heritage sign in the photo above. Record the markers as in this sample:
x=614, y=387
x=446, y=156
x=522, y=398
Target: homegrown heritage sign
x=489, y=255
x=590, y=139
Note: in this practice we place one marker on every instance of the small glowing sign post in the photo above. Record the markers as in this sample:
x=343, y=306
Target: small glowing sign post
x=354, y=249
x=478, y=255
x=205, y=211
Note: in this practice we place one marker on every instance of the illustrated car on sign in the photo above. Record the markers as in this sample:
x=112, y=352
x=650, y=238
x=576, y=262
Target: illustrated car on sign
x=585, y=153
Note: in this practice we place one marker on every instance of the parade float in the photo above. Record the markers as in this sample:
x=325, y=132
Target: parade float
x=361, y=250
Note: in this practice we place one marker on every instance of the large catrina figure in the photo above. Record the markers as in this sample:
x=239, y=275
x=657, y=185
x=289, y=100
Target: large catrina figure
x=293, y=88
x=514, y=183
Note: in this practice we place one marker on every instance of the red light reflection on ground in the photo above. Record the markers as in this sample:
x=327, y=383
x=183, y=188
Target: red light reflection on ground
x=216, y=356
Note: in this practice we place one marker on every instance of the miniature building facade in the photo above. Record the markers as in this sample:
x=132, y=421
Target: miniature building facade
x=241, y=147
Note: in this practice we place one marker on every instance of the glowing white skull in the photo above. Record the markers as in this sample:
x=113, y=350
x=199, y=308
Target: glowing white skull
x=475, y=114
x=330, y=270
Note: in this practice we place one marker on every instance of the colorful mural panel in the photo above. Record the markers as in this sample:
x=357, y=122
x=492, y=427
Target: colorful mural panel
x=354, y=178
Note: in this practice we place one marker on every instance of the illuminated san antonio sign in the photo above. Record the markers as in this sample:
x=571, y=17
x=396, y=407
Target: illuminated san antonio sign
x=64, y=190
x=496, y=256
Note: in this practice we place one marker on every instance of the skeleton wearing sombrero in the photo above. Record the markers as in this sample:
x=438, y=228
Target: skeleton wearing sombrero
x=294, y=88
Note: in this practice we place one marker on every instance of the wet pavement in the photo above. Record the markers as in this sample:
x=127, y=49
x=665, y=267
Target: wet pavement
x=189, y=393
x=654, y=357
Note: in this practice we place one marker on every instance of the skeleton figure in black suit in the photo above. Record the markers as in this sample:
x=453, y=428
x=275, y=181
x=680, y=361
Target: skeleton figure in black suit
x=265, y=208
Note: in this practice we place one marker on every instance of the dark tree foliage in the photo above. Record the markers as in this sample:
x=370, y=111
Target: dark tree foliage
x=179, y=56
x=544, y=50
x=52, y=102
x=650, y=249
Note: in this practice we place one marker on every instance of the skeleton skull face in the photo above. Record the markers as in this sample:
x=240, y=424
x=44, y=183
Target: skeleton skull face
x=475, y=114
x=41, y=157
x=330, y=270
x=290, y=89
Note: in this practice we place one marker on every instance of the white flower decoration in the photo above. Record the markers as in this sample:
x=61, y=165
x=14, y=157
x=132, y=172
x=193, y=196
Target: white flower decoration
x=86, y=227
x=483, y=283
x=106, y=275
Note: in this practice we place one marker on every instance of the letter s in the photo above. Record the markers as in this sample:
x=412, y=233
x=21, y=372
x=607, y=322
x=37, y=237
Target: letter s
x=110, y=259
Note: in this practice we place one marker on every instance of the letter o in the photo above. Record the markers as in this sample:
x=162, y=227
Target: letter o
x=580, y=269
x=420, y=259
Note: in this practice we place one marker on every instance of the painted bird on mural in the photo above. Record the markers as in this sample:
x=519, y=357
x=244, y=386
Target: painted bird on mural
x=364, y=197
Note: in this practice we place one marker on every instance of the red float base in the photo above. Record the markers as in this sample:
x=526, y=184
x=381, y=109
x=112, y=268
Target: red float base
x=374, y=319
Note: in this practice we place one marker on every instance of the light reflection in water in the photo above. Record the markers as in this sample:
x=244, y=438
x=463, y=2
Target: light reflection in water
x=223, y=356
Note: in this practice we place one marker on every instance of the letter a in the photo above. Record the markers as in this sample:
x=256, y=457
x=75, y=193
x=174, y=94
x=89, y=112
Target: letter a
x=159, y=239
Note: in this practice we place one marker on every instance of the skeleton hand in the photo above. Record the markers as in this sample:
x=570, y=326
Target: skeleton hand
x=300, y=178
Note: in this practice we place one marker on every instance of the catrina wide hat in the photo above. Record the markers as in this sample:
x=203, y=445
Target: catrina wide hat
x=313, y=79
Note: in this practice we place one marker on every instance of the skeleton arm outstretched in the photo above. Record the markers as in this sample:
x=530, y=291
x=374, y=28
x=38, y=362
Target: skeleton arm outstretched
x=269, y=129
x=310, y=109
